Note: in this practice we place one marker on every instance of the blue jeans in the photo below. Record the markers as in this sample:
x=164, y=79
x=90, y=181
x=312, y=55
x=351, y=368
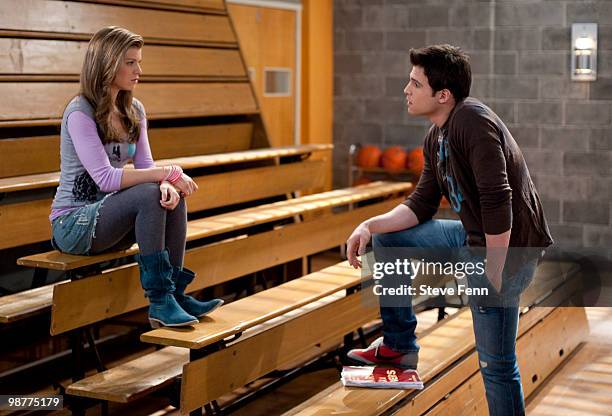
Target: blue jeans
x=495, y=328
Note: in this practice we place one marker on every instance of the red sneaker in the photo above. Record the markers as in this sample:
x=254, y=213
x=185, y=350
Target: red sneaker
x=379, y=354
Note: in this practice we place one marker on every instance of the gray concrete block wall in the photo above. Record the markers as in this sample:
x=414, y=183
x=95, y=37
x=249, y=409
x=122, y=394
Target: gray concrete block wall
x=520, y=53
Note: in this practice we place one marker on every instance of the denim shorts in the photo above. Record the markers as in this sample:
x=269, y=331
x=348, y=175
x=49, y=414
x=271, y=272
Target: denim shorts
x=73, y=233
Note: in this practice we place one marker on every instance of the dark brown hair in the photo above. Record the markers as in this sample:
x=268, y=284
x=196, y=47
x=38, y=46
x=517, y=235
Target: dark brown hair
x=445, y=66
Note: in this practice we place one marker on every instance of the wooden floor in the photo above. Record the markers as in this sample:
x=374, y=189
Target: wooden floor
x=583, y=386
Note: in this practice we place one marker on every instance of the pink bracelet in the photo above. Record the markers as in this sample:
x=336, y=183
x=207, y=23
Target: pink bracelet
x=174, y=175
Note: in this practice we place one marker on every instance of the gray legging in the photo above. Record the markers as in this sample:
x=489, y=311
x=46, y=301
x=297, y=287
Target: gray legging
x=135, y=214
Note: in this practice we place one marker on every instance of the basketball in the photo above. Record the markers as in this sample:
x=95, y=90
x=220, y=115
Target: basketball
x=394, y=159
x=415, y=161
x=369, y=156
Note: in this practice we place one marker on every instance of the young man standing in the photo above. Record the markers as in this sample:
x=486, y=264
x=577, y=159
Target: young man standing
x=472, y=159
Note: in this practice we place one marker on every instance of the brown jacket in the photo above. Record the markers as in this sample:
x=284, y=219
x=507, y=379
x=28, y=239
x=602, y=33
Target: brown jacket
x=481, y=170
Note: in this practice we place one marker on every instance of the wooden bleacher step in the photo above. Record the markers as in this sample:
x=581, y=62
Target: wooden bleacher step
x=224, y=223
x=563, y=330
x=260, y=307
x=134, y=379
x=539, y=351
x=259, y=358
x=45, y=180
x=25, y=304
x=454, y=343
x=250, y=316
x=582, y=382
x=138, y=382
x=40, y=301
x=257, y=315
x=118, y=290
x=40, y=154
x=223, y=188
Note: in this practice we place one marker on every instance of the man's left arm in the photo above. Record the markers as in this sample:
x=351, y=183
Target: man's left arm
x=488, y=162
x=497, y=249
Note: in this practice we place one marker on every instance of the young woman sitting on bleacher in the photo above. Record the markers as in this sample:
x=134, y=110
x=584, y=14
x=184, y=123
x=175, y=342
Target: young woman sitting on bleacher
x=100, y=206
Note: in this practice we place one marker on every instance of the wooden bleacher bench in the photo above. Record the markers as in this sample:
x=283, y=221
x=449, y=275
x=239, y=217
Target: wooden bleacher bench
x=235, y=318
x=208, y=227
x=232, y=221
x=39, y=300
x=24, y=304
x=245, y=313
x=118, y=290
x=450, y=368
x=448, y=362
x=237, y=187
x=269, y=330
x=51, y=179
x=135, y=379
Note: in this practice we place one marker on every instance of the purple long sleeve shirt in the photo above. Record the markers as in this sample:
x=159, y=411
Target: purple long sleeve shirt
x=90, y=169
x=96, y=157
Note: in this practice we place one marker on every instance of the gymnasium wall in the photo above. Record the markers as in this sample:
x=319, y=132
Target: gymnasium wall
x=520, y=62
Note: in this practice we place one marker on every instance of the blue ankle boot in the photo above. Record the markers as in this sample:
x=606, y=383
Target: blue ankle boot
x=156, y=280
x=193, y=306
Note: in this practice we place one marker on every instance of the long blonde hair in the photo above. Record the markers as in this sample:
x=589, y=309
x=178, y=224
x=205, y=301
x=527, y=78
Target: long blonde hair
x=104, y=55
